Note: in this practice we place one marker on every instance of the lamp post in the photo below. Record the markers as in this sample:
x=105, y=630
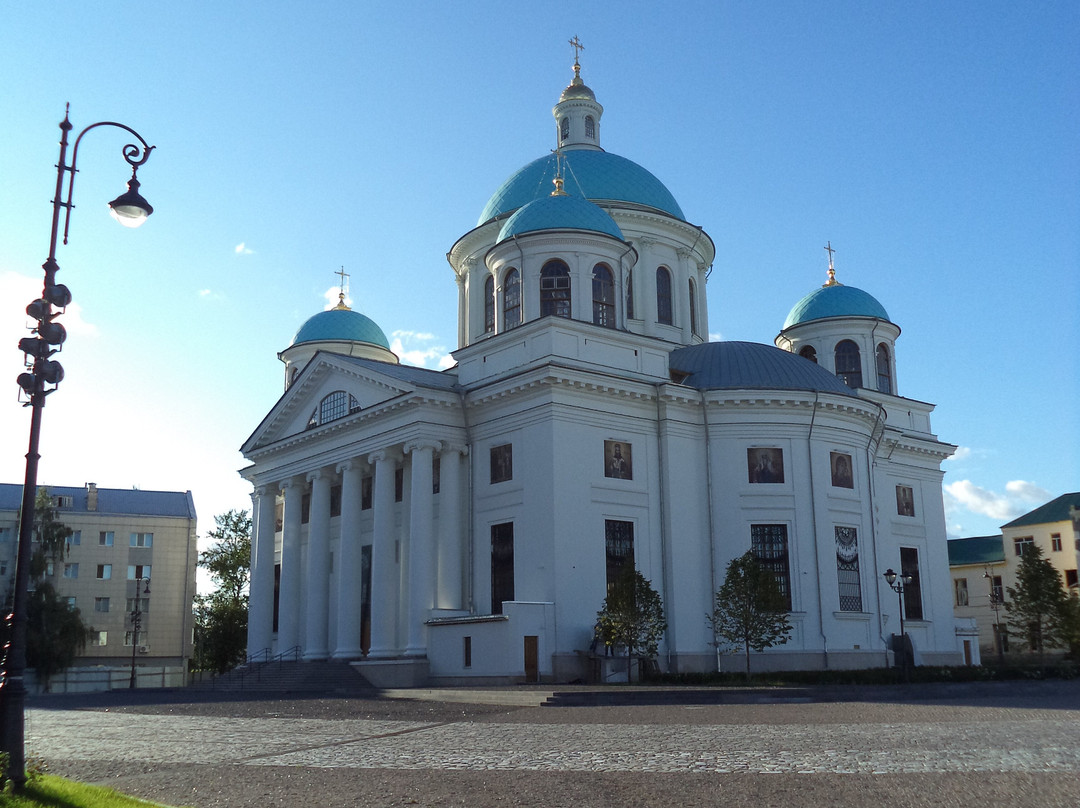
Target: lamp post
x=42, y=377
x=897, y=584
x=995, y=605
x=136, y=623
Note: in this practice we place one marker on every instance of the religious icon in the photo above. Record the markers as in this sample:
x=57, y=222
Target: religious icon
x=905, y=500
x=841, y=470
x=618, y=460
x=765, y=465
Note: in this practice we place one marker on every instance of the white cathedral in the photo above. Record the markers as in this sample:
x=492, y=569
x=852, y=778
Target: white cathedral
x=464, y=525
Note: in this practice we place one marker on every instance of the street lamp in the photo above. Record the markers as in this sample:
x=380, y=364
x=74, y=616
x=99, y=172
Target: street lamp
x=42, y=377
x=897, y=584
x=136, y=623
x=996, y=604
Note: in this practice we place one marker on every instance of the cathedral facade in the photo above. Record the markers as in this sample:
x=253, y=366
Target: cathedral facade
x=465, y=525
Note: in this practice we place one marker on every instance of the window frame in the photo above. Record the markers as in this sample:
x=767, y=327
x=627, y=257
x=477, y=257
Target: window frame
x=556, y=292
x=603, y=296
x=511, y=296
x=847, y=359
x=665, y=306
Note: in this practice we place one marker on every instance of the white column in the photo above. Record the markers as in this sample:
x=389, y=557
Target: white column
x=289, y=585
x=318, y=567
x=421, y=545
x=450, y=550
x=261, y=608
x=348, y=563
x=645, y=281
x=680, y=291
x=384, y=565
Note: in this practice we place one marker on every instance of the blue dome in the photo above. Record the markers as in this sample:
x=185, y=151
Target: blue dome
x=835, y=301
x=595, y=175
x=561, y=212
x=340, y=325
x=751, y=365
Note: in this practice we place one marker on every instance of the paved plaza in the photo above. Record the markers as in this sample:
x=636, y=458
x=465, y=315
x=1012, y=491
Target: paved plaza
x=988, y=744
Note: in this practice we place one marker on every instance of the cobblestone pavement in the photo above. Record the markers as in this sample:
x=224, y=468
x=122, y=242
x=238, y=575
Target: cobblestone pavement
x=1012, y=747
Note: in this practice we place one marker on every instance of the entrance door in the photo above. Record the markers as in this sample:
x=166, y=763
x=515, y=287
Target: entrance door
x=532, y=658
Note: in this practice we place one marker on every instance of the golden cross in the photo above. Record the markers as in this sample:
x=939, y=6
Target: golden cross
x=575, y=43
x=828, y=248
x=832, y=272
x=343, y=275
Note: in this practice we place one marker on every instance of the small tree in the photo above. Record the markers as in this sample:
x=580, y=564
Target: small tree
x=632, y=616
x=750, y=611
x=221, y=616
x=1037, y=603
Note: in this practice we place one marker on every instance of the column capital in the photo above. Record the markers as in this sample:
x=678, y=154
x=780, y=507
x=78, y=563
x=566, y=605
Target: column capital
x=352, y=464
x=383, y=454
x=420, y=445
x=319, y=474
x=294, y=482
x=450, y=448
x=266, y=489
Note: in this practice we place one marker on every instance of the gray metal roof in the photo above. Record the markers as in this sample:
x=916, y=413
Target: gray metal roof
x=738, y=365
x=976, y=550
x=126, y=501
x=424, y=377
x=1056, y=510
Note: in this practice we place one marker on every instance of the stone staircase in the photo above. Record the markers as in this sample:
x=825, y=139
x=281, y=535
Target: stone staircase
x=290, y=677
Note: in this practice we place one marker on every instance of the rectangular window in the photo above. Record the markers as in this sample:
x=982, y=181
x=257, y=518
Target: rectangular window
x=1070, y=579
x=847, y=569
x=104, y=572
x=1022, y=544
x=905, y=500
x=3, y=566
x=335, y=501
x=50, y=569
x=305, y=508
x=960, y=590
x=101, y=604
x=619, y=548
x=1055, y=542
x=399, y=484
x=5, y=534
x=63, y=501
x=139, y=639
x=143, y=605
x=70, y=599
x=468, y=652
x=142, y=540
x=105, y=538
x=502, y=463
x=997, y=591
x=502, y=565
x=436, y=474
x=769, y=544
x=365, y=493
x=909, y=566
x=71, y=570
x=138, y=571
x=74, y=538
x=99, y=638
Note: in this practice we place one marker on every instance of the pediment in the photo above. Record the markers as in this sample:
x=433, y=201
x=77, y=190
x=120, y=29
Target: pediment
x=344, y=384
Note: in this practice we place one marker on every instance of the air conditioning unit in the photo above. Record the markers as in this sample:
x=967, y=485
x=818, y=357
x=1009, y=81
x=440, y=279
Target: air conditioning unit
x=144, y=649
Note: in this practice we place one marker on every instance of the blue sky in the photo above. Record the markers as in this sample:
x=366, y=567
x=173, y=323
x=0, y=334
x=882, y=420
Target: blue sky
x=934, y=144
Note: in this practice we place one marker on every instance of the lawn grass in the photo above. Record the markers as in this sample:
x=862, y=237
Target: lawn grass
x=49, y=791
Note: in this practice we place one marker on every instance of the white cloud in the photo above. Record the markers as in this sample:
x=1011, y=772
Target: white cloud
x=715, y=336
x=332, y=296
x=961, y=453
x=1017, y=499
x=420, y=349
x=243, y=249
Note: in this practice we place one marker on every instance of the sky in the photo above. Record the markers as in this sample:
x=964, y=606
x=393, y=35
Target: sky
x=934, y=145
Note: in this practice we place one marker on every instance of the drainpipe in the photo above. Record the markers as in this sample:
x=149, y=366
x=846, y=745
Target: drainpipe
x=664, y=565
x=813, y=524
x=470, y=578
x=870, y=464
x=709, y=508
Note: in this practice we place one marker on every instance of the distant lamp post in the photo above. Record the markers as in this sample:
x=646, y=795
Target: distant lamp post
x=897, y=583
x=996, y=602
x=42, y=376
x=136, y=623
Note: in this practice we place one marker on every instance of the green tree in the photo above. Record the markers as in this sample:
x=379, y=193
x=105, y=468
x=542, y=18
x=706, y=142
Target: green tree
x=632, y=616
x=750, y=612
x=55, y=631
x=1038, y=603
x=221, y=616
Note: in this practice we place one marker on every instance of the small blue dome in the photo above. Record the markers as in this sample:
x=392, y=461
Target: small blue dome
x=340, y=325
x=751, y=365
x=835, y=301
x=560, y=212
x=595, y=175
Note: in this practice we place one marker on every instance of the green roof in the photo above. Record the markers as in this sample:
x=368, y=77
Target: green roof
x=976, y=550
x=1056, y=510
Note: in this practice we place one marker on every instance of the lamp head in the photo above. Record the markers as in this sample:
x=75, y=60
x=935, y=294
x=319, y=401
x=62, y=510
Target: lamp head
x=890, y=577
x=130, y=209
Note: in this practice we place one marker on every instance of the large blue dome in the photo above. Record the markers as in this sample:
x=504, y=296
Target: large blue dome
x=595, y=175
x=835, y=301
x=751, y=365
x=340, y=325
x=560, y=212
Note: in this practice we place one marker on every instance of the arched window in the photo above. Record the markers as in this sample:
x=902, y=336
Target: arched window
x=590, y=127
x=489, y=305
x=693, y=307
x=848, y=363
x=603, y=296
x=336, y=405
x=884, y=369
x=564, y=128
x=663, y=296
x=630, y=294
x=808, y=352
x=555, y=290
x=511, y=299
